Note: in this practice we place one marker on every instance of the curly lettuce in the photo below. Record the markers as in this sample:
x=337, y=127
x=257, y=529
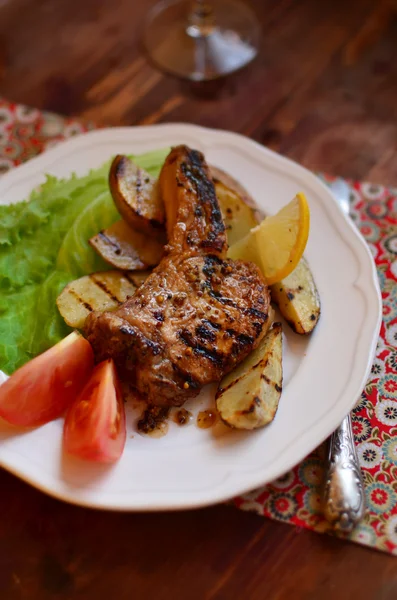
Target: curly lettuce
x=44, y=246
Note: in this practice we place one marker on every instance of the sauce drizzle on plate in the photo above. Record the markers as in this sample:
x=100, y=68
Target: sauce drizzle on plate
x=182, y=417
x=206, y=419
x=154, y=421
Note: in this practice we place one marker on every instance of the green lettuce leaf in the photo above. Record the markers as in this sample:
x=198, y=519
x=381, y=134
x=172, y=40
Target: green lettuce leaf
x=44, y=246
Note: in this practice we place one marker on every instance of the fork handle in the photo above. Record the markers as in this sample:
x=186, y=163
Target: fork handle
x=344, y=496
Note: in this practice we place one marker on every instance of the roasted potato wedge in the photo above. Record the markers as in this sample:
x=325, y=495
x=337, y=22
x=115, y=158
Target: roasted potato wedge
x=137, y=196
x=298, y=299
x=219, y=175
x=239, y=217
x=99, y=291
x=127, y=249
x=171, y=191
x=247, y=398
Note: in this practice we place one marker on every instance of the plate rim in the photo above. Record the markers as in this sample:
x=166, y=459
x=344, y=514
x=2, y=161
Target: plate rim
x=354, y=240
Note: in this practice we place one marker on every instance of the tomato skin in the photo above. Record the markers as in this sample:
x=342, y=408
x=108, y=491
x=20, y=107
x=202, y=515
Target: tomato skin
x=42, y=389
x=95, y=422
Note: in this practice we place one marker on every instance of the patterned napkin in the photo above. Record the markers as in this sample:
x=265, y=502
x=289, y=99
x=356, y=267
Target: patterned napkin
x=295, y=497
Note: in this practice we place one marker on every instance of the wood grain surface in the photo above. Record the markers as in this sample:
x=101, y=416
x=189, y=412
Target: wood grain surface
x=323, y=91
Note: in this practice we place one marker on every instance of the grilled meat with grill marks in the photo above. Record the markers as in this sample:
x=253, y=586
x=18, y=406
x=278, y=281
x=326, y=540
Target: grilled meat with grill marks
x=198, y=314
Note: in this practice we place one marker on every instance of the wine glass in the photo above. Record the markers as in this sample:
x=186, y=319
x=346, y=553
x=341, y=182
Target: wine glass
x=201, y=40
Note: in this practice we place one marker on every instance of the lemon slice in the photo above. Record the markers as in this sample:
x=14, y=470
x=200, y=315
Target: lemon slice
x=277, y=244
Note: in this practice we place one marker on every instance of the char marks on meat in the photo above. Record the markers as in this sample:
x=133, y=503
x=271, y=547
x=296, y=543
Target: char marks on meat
x=198, y=314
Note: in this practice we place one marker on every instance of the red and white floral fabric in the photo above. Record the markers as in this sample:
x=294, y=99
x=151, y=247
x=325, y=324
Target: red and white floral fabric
x=295, y=497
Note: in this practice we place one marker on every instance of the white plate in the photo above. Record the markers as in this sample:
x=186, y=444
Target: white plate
x=323, y=374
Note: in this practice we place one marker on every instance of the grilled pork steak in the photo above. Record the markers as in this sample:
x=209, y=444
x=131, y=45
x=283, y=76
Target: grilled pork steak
x=198, y=314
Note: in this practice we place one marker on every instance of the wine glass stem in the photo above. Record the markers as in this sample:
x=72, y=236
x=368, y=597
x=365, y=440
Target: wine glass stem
x=201, y=20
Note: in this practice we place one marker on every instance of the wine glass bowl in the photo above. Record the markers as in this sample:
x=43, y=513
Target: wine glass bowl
x=201, y=40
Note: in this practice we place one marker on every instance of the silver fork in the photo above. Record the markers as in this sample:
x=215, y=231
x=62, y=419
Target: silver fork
x=344, y=495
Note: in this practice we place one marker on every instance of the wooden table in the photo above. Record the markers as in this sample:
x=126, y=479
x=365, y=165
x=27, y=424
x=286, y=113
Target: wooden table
x=323, y=92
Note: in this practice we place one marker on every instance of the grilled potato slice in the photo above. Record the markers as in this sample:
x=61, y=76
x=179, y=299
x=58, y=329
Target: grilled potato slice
x=248, y=397
x=99, y=291
x=298, y=299
x=239, y=217
x=137, y=196
x=127, y=249
x=219, y=175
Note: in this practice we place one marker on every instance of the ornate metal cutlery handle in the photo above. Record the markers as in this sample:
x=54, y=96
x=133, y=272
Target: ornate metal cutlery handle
x=344, y=496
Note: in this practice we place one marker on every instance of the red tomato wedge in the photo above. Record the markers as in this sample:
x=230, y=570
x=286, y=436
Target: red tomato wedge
x=95, y=422
x=41, y=390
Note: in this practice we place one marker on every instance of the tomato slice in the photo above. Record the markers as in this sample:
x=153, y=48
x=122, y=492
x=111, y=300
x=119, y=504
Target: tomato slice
x=41, y=390
x=95, y=422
